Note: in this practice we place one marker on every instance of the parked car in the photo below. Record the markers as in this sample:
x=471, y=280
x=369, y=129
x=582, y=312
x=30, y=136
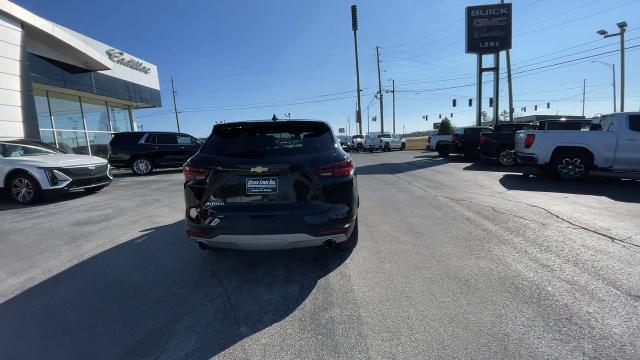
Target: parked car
x=612, y=145
x=29, y=169
x=271, y=185
x=357, y=142
x=466, y=141
x=499, y=143
x=439, y=143
x=392, y=141
x=344, y=144
x=372, y=143
x=144, y=151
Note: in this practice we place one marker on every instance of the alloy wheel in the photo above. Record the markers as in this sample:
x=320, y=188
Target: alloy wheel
x=142, y=166
x=571, y=168
x=22, y=190
x=507, y=158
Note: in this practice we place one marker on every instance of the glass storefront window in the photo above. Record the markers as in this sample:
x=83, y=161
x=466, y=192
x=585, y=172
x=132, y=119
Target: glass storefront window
x=73, y=142
x=120, y=120
x=66, y=111
x=98, y=142
x=47, y=137
x=95, y=114
x=42, y=109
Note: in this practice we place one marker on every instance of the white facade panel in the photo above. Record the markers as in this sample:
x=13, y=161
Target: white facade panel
x=11, y=129
x=10, y=96
x=9, y=81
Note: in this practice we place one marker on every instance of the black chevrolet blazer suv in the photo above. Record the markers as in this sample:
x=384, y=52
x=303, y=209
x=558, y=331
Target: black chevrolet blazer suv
x=271, y=185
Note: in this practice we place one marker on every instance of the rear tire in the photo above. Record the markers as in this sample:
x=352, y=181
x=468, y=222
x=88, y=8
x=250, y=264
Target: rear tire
x=443, y=152
x=142, y=166
x=403, y=147
x=387, y=147
x=571, y=166
x=359, y=148
x=352, y=240
x=23, y=188
x=371, y=150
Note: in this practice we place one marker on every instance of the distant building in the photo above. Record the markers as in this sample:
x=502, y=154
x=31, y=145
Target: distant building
x=65, y=88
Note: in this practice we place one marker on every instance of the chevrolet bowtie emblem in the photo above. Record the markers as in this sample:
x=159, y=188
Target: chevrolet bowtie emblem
x=259, y=169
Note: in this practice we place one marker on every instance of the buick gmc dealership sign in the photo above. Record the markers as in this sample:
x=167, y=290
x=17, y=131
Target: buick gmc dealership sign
x=488, y=28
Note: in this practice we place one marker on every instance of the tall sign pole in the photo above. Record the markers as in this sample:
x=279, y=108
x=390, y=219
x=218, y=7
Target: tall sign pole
x=380, y=92
x=354, y=26
x=488, y=31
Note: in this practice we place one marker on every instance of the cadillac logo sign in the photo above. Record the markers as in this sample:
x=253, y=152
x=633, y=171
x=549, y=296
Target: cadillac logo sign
x=118, y=57
x=488, y=28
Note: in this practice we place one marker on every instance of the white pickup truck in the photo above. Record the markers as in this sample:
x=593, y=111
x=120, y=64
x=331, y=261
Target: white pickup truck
x=612, y=144
x=439, y=143
x=392, y=141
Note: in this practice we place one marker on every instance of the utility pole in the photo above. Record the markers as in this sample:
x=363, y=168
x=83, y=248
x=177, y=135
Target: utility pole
x=623, y=28
x=380, y=91
x=354, y=26
x=613, y=68
x=175, y=108
x=584, y=85
x=393, y=92
x=368, y=118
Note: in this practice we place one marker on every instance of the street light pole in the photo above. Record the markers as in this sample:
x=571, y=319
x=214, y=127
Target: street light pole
x=354, y=26
x=613, y=79
x=623, y=28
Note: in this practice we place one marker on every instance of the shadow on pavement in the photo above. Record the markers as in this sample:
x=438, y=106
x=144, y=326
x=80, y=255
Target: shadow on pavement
x=615, y=189
x=399, y=167
x=6, y=203
x=158, y=296
x=124, y=173
x=491, y=166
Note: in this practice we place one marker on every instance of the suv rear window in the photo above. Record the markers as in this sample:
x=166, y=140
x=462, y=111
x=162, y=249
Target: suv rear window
x=357, y=137
x=634, y=122
x=259, y=140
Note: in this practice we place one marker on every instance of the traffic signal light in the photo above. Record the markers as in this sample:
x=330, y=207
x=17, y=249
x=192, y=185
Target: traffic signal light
x=454, y=102
x=439, y=116
x=491, y=102
x=451, y=114
x=548, y=105
x=535, y=107
x=470, y=102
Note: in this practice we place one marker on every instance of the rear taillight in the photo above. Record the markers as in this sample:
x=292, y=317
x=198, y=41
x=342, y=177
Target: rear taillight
x=342, y=168
x=482, y=139
x=428, y=139
x=528, y=140
x=193, y=173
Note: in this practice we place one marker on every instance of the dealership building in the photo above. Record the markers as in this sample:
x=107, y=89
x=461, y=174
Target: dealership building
x=65, y=88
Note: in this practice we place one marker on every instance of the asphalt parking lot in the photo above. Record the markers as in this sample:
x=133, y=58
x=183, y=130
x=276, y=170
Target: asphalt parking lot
x=455, y=260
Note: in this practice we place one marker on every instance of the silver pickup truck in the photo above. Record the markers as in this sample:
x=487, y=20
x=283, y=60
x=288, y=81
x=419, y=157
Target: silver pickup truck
x=611, y=144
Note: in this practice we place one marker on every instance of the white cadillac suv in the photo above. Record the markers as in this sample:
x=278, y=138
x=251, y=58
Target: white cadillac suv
x=30, y=168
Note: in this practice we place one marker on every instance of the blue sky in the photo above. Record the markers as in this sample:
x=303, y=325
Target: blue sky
x=235, y=60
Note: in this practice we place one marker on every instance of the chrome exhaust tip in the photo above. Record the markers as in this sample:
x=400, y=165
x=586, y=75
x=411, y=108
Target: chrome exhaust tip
x=329, y=244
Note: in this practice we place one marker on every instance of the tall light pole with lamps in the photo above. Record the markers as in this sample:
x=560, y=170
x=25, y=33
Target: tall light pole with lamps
x=623, y=27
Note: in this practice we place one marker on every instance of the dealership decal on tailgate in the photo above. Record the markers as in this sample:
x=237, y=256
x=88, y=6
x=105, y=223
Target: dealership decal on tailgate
x=262, y=185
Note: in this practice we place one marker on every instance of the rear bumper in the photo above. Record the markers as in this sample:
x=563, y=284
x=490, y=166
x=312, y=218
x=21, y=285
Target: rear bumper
x=269, y=242
x=527, y=159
